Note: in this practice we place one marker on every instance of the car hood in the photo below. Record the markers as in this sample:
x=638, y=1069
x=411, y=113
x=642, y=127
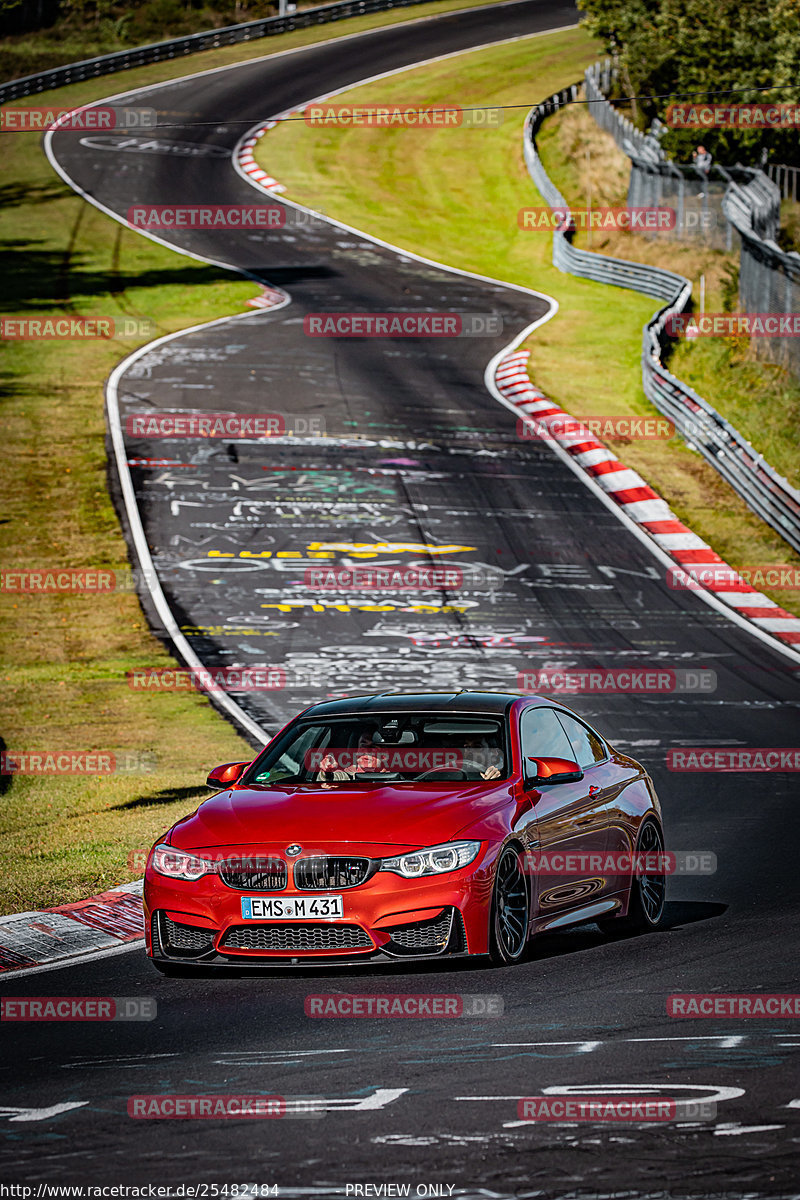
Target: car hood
x=405, y=817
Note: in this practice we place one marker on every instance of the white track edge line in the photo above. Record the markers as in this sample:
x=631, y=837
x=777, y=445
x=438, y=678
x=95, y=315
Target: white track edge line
x=134, y=517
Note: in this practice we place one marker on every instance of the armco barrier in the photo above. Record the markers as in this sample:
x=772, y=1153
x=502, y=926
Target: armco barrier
x=769, y=495
x=141, y=56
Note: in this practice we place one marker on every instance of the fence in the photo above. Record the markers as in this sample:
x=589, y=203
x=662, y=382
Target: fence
x=597, y=83
x=769, y=281
x=729, y=208
x=140, y=56
x=785, y=178
x=656, y=181
x=766, y=492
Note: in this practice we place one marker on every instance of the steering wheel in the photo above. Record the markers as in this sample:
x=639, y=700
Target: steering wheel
x=460, y=771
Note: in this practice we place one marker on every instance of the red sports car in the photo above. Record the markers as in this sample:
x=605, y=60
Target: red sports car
x=402, y=826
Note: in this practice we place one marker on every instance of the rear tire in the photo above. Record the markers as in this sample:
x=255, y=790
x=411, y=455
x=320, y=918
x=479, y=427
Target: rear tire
x=510, y=912
x=648, y=892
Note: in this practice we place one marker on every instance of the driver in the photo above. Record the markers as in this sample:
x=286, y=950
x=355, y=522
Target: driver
x=482, y=753
x=366, y=760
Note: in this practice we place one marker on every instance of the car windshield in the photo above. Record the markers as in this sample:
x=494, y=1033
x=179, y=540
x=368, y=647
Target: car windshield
x=385, y=748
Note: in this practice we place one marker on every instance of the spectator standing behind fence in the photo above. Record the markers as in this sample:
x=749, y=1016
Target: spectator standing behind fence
x=702, y=163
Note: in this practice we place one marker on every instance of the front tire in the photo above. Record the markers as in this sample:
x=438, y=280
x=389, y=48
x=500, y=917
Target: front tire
x=510, y=913
x=648, y=892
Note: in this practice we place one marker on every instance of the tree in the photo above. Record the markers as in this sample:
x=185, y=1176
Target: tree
x=675, y=50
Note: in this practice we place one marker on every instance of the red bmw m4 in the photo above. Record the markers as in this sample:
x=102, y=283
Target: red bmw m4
x=409, y=826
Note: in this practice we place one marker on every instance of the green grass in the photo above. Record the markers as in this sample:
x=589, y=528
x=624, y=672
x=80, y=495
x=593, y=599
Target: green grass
x=65, y=657
x=454, y=195
x=27, y=55
x=78, y=35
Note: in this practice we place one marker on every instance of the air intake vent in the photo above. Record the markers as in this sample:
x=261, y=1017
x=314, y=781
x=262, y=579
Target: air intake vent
x=182, y=939
x=293, y=938
x=422, y=937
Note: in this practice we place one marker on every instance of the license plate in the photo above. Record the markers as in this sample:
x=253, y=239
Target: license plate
x=292, y=908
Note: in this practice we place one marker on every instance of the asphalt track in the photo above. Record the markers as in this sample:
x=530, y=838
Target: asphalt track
x=436, y=462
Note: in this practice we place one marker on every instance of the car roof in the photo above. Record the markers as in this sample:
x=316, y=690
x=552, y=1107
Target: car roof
x=452, y=702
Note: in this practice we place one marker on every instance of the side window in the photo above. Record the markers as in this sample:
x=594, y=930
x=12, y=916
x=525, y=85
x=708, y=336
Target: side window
x=542, y=736
x=586, y=745
x=291, y=763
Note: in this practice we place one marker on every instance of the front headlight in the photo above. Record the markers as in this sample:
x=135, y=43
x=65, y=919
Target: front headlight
x=436, y=860
x=177, y=864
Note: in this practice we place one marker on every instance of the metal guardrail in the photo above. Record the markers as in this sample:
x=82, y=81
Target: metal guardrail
x=653, y=281
x=769, y=495
x=754, y=203
x=141, y=56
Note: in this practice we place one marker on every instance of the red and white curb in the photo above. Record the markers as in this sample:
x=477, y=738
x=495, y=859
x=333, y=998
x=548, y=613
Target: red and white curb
x=104, y=922
x=244, y=157
x=638, y=500
x=270, y=297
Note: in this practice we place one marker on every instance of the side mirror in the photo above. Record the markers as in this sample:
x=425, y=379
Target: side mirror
x=224, y=776
x=553, y=770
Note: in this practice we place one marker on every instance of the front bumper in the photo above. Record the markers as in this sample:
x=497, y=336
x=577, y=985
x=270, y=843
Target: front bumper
x=387, y=918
